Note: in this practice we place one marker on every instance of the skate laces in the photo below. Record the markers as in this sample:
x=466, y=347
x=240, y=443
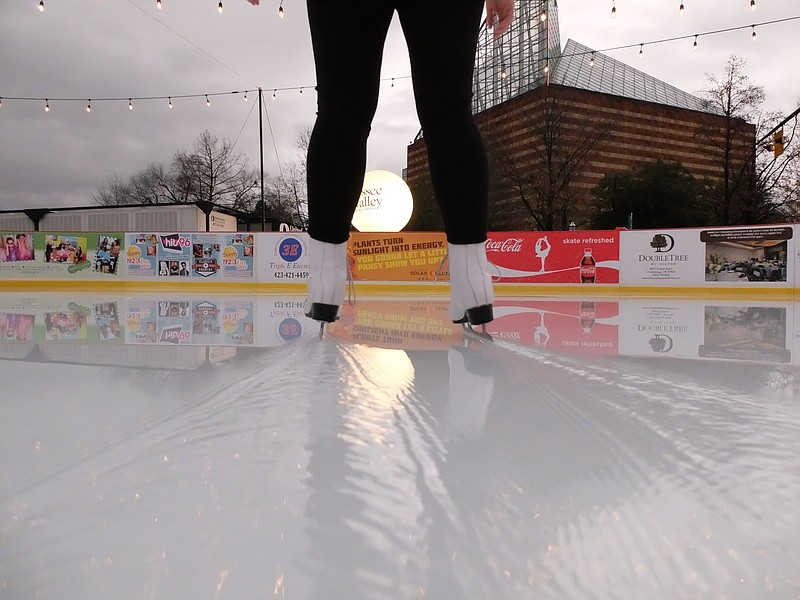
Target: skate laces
x=351, y=285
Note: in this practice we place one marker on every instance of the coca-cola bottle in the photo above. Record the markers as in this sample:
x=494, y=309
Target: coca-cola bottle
x=586, y=316
x=588, y=267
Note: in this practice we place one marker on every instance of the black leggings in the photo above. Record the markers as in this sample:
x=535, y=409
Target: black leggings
x=348, y=38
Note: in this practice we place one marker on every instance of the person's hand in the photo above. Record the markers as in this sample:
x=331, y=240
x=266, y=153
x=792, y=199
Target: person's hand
x=254, y=2
x=499, y=15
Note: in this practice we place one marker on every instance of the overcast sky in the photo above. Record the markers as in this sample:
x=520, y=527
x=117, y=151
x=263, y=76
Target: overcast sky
x=95, y=49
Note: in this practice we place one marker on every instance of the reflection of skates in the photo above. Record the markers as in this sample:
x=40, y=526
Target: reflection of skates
x=470, y=390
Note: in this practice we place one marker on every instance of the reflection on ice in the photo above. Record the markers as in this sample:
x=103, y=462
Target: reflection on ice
x=571, y=457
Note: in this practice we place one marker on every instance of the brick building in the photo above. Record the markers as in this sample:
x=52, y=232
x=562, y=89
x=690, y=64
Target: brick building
x=552, y=139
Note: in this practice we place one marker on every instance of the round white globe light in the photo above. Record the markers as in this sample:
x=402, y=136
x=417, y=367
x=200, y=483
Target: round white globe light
x=385, y=203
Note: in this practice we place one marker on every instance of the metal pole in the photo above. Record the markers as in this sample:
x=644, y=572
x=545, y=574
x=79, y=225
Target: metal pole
x=261, y=158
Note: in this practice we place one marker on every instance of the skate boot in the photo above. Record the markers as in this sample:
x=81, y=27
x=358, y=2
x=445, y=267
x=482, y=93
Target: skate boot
x=471, y=293
x=326, y=280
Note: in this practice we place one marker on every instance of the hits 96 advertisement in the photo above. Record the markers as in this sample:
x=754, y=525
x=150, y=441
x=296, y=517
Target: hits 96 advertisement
x=190, y=255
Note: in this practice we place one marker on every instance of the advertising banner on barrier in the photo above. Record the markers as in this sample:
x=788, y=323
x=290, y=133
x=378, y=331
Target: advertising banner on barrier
x=413, y=256
x=282, y=257
x=59, y=256
x=554, y=256
x=713, y=257
x=210, y=256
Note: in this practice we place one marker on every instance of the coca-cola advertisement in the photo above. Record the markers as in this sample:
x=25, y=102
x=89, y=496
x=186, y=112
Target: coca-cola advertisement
x=588, y=257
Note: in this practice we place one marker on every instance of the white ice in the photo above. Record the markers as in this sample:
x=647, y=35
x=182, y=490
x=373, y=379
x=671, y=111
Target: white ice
x=424, y=464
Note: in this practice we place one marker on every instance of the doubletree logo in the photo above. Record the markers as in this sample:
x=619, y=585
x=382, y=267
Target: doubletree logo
x=662, y=242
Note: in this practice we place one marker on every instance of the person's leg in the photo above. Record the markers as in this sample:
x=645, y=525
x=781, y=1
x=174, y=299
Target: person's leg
x=347, y=38
x=441, y=38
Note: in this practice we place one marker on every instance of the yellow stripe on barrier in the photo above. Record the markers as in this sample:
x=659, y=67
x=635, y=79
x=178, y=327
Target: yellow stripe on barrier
x=391, y=289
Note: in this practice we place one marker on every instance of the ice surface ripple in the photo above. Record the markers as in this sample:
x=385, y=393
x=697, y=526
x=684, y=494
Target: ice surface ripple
x=325, y=469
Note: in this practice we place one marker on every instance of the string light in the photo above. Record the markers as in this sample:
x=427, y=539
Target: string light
x=546, y=68
x=543, y=16
x=301, y=91
x=641, y=50
x=591, y=60
x=613, y=9
x=158, y=4
x=219, y=7
x=169, y=104
x=46, y=105
x=754, y=37
x=41, y=5
x=1, y=102
x=694, y=46
x=245, y=96
x=130, y=104
x=208, y=102
x=503, y=72
x=392, y=81
x=280, y=10
x=274, y=95
x=753, y=5
x=681, y=9
x=89, y=106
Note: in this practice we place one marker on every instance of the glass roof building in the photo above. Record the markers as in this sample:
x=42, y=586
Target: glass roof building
x=529, y=55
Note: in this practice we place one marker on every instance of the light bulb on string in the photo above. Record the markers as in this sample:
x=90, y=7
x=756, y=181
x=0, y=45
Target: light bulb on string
x=1, y=103
x=681, y=9
x=591, y=60
x=158, y=4
x=543, y=16
x=89, y=106
x=392, y=81
x=641, y=50
x=274, y=95
x=41, y=5
x=280, y=10
x=46, y=105
x=694, y=46
x=245, y=96
x=130, y=104
x=169, y=102
x=546, y=68
x=754, y=37
x=208, y=102
x=503, y=72
x=301, y=91
x=613, y=9
x=219, y=7
x=753, y=5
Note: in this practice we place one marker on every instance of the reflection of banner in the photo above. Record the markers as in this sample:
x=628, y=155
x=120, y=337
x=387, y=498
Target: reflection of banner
x=397, y=256
x=408, y=325
x=571, y=326
x=554, y=256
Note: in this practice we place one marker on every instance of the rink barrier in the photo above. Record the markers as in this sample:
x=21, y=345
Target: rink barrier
x=759, y=261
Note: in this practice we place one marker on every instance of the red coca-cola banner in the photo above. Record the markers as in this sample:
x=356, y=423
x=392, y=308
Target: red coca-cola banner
x=554, y=256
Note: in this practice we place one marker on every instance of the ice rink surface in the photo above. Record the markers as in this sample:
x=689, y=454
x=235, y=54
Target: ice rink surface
x=210, y=448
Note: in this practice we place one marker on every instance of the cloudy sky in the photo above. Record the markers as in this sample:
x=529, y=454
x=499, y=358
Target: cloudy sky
x=77, y=50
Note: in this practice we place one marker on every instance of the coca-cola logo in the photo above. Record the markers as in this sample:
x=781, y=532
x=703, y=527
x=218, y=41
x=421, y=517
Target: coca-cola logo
x=507, y=245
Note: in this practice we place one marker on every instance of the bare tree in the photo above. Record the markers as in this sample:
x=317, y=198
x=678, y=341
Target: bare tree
x=288, y=190
x=752, y=188
x=543, y=178
x=213, y=171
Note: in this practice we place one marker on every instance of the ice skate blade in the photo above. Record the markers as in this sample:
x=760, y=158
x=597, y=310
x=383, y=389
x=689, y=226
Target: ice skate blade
x=479, y=334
